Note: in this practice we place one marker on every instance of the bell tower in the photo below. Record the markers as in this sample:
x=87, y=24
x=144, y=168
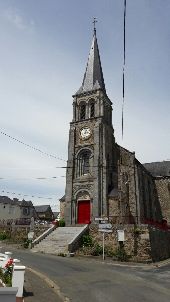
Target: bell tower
x=90, y=163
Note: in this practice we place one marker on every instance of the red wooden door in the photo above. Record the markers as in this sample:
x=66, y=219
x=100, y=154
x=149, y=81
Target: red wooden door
x=83, y=211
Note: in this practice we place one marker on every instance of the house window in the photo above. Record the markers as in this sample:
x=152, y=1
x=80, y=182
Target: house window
x=26, y=211
x=82, y=111
x=83, y=163
x=11, y=209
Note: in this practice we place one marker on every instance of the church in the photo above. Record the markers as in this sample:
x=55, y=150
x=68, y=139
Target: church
x=104, y=179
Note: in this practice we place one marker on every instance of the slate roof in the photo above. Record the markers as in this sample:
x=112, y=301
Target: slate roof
x=158, y=168
x=93, y=77
x=42, y=208
x=15, y=201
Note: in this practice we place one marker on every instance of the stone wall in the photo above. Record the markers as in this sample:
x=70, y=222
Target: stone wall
x=136, y=244
x=163, y=189
x=142, y=243
x=18, y=234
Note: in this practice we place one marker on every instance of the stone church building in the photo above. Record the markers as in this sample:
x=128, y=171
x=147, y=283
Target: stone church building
x=103, y=178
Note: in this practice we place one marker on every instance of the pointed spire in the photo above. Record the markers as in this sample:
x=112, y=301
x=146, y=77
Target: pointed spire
x=93, y=77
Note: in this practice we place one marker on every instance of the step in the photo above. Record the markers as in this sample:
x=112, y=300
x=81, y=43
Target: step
x=57, y=241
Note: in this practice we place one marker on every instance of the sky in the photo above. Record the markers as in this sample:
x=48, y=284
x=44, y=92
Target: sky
x=43, y=55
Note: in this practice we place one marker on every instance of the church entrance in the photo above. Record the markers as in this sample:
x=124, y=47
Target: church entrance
x=83, y=214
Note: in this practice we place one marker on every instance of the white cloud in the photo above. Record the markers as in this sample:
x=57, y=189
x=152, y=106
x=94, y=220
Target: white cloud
x=14, y=17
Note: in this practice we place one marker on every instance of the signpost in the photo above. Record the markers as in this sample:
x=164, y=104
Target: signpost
x=104, y=227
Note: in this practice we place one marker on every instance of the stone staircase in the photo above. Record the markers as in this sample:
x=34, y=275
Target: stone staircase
x=61, y=241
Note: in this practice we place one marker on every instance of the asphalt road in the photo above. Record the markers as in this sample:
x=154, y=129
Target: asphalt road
x=88, y=280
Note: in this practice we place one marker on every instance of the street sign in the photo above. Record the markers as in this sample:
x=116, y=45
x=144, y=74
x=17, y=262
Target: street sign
x=105, y=231
x=105, y=226
x=101, y=218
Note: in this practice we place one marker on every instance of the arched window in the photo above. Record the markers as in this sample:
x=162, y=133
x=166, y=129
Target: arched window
x=82, y=111
x=91, y=109
x=83, y=163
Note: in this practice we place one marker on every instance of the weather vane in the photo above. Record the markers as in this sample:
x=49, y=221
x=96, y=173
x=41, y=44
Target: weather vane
x=94, y=23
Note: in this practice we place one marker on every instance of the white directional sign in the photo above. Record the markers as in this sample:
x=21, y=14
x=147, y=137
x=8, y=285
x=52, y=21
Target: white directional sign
x=105, y=231
x=101, y=218
x=105, y=226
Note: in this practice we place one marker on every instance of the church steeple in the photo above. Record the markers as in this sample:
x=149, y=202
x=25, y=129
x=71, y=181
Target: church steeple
x=93, y=77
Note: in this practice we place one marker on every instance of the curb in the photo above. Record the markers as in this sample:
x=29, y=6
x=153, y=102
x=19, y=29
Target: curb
x=50, y=283
x=127, y=264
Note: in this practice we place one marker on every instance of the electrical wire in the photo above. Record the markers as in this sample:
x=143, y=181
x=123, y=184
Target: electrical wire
x=31, y=147
x=32, y=178
x=29, y=195
x=124, y=57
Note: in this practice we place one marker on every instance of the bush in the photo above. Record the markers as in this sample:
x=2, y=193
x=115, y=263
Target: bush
x=97, y=250
x=6, y=273
x=137, y=230
x=87, y=241
x=26, y=243
x=109, y=252
x=121, y=254
x=61, y=223
x=4, y=235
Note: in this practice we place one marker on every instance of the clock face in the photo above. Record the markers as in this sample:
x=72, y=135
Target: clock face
x=85, y=133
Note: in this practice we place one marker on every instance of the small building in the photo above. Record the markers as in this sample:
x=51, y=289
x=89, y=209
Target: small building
x=14, y=210
x=44, y=212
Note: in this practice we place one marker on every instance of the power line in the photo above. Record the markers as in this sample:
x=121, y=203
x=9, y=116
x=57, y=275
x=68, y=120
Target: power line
x=31, y=147
x=29, y=195
x=30, y=178
x=124, y=56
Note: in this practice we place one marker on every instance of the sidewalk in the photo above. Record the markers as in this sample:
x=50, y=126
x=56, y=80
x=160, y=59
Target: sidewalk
x=37, y=290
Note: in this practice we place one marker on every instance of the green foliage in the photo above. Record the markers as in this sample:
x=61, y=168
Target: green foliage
x=137, y=230
x=97, y=250
x=87, y=241
x=109, y=251
x=61, y=223
x=6, y=273
x=4, y=235
x=26, y=243
x=1, y=273
x=121, y=254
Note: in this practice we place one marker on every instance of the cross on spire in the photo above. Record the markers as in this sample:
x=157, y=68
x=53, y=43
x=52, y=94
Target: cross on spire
x=94, y=23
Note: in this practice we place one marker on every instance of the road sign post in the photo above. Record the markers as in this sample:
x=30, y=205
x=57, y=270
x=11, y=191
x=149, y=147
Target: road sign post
x=103, y=247
x=104, y=228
